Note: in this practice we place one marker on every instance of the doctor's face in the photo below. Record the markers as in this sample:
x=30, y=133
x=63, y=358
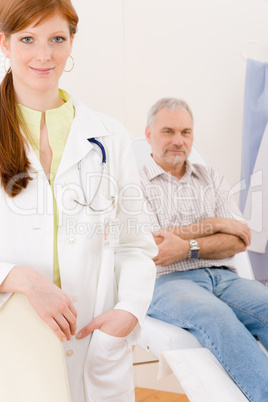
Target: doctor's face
x=171, y=137
x=38, y=54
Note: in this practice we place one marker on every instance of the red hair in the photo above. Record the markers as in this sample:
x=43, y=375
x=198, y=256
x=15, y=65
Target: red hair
x=15, y=15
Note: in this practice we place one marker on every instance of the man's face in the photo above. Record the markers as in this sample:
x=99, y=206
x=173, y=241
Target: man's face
x=171, y=137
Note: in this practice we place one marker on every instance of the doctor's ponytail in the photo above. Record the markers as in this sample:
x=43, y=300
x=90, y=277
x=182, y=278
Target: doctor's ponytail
x=14, y=164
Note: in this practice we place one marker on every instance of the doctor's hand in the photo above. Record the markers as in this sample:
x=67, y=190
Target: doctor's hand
x=49, y=301
x=53, y=306
x=171, y=248
x=113, y=322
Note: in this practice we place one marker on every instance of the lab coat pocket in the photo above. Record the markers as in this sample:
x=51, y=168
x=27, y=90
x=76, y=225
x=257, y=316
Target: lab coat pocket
x=110, y=343
x=108, y=369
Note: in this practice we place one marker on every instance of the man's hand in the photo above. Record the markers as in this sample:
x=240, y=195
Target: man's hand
x=171, y=248
x=114, y=322
x=234, y=227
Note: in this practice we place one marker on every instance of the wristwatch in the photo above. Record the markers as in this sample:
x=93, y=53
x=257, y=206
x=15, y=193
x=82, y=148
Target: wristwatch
x=194, y=250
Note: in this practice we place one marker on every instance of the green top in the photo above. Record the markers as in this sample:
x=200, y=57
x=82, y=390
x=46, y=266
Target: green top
x=58, y=123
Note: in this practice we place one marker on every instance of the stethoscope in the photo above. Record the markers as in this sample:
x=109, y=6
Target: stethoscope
x=103, y=162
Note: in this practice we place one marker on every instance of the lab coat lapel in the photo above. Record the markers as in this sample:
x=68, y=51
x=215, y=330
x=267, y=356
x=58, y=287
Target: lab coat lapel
x=86, y=124
x=75, y=149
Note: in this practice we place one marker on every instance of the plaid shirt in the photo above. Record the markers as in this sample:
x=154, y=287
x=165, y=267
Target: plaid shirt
x=200, y=194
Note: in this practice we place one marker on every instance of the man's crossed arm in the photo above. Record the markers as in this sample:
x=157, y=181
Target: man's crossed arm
x=217, y=238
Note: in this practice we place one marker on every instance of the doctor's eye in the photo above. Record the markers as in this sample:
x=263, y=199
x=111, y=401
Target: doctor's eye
x=59, y=39
x=27, y=39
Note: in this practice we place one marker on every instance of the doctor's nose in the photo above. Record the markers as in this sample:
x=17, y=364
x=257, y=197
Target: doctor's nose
x=43, y=54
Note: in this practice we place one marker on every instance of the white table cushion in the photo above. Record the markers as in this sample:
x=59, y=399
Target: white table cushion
x=201, y=376
x=157, y=336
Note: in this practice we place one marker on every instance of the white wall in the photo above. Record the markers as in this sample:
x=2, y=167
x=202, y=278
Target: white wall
x=129, y=53
x=98, y=77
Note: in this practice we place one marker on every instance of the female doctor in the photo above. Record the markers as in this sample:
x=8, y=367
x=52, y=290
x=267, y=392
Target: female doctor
x=71, y=235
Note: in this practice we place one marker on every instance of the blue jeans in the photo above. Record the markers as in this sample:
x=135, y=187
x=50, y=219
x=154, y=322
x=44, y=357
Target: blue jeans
x=225, y=313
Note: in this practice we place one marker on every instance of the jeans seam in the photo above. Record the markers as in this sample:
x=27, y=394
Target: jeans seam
x=211, y=276
x=249, y=312
x=212, y=347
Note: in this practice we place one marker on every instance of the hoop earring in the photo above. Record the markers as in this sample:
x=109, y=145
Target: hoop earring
x=67, y=71
x=8, y=71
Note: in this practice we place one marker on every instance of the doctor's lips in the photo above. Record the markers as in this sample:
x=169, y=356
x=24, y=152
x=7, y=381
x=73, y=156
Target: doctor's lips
x=42, y=71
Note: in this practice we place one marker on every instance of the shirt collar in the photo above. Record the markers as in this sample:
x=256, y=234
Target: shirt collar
x=33, y=117
x=59, y=121
x=155, y=170
x=190, y=170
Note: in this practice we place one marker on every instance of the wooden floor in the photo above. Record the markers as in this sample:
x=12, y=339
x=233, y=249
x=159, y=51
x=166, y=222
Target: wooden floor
x=150, y=395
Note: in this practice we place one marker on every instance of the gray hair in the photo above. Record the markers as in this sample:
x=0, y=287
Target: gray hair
x=169, y=103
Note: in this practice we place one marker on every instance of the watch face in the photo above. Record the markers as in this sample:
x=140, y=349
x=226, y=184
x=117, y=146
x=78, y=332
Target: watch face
x=194, y=254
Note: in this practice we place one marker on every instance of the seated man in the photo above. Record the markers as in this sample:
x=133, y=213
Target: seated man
x=197, y=287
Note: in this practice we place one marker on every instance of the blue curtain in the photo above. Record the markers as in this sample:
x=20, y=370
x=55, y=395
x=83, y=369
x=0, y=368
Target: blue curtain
x=255, y=119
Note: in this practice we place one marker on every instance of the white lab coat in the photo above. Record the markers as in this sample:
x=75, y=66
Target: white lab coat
x=96, y=277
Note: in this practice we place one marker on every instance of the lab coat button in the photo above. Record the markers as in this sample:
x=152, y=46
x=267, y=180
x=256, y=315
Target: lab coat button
x=71, y=240
x=69, y=353
x=75, y=299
